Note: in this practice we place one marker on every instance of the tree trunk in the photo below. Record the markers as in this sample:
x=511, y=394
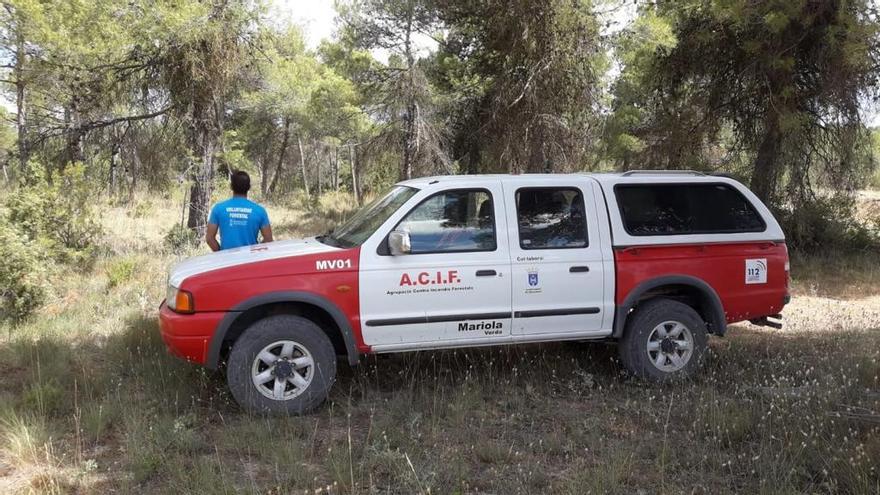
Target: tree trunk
x=406, y=164
x=135, y=173
x=318, y=167
x=206, y=131
x=263, y=169
x=302, y=163
x=284, y=140
x=21, y=104
x=114, y=155
x=409, y=116
x=355, y=186
x=537, y=160
x=74, y=150
x=334, y=166
x=765, y=177
x=200, y=192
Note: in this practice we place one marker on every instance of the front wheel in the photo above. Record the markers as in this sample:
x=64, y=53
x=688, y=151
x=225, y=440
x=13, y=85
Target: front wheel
x=282, y=364
x=663, y=340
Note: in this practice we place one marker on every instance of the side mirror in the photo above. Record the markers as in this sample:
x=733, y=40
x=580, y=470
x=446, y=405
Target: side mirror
x=399, y=243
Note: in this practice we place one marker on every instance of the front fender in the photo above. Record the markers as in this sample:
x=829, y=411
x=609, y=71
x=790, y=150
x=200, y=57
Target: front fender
x=308, y=298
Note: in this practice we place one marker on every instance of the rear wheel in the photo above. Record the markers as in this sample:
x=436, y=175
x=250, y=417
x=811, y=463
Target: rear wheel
x=663, y=340
x=282, y=364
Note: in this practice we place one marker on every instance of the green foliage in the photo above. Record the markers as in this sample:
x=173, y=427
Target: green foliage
x=70, y=214
x=180, y=238
x=874, y=180
x=59, y=214
x=25, y=208
x=45, y=397
x=21, y=285
x=769, y=91
x=826, y=224
x=526, y=83
x=148, y=93
x=120, y=271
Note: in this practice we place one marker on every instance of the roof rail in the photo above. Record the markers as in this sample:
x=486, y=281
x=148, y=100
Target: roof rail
x=661, y=172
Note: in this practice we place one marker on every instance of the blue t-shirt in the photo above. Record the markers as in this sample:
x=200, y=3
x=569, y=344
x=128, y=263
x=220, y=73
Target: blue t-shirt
x=239, y=220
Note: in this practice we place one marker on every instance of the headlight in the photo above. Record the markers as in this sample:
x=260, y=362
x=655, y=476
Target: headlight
x=178, y=300
x=171, y=296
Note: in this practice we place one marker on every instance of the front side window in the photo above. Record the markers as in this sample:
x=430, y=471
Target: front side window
x=361, y=226
x=676, y=209
x=551, y=218
x=452, y=221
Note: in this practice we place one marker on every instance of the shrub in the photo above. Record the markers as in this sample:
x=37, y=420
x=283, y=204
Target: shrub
x=45, y=398
x=58, y=213
x=120, y=272
x=874, y=180
x=180, y=238
x=826, y=223
x=70, y=216
x=21, y=289
x=141, y=209
x=26, y=208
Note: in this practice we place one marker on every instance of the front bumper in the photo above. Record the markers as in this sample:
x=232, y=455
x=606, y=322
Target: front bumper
x=188, y=335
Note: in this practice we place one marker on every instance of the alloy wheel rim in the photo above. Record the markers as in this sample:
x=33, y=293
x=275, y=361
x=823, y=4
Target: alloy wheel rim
x=283, y=370
x=670, y=346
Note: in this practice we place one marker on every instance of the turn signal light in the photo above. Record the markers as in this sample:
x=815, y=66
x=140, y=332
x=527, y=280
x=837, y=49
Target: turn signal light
x=183, y=302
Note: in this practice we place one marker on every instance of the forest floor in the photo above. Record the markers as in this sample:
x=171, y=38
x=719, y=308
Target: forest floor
x=90, y=402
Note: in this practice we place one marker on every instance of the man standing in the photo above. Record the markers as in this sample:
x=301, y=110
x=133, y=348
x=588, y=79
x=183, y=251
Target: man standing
x=238, y=218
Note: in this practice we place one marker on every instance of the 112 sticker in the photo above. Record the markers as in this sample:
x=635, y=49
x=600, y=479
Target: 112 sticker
x=756, y=271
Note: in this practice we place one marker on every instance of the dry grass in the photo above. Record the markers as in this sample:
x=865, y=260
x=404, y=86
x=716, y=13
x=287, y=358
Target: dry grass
x=90, y=402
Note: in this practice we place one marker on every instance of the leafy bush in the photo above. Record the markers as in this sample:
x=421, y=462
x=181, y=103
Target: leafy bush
x=58, y=213
x=180, y=238
x=70, y=218
x=874, y=179
x=21, y=288
x=120, y=272
x=826, y=224
x=25, y=211
x=45, y=397
x=141, y=209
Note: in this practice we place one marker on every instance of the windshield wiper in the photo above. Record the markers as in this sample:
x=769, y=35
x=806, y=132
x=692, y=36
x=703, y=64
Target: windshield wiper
x=327, y=238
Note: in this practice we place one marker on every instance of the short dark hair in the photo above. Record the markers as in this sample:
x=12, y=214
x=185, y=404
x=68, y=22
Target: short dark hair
x=240, y=182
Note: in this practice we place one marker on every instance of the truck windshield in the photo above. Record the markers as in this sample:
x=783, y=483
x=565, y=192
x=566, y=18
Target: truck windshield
x=361, y=226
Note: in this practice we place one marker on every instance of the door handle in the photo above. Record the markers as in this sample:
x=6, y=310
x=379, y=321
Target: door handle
x=579, y=269
x=486, y=273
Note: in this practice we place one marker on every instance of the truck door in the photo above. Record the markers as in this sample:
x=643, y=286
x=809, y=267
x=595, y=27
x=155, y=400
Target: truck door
x=557, y=261
x=454, y=285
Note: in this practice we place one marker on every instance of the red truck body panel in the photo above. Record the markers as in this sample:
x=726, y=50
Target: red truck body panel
x=188, y=335
x=337, y=283
x=722, y=266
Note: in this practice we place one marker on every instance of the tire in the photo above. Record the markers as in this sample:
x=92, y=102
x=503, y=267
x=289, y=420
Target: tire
x=292, y=358
x=656, y=340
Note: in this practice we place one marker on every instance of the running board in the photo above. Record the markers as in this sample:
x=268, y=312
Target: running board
x=765, y=322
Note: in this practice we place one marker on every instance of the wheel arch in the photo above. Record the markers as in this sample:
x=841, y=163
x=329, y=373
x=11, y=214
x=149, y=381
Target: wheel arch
x=317, y=308
x=690, y=290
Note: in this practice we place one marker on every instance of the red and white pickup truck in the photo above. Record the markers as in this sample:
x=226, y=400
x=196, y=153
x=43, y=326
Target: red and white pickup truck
x=653, y=261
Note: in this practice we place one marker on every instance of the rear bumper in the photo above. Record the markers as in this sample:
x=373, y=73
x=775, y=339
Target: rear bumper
x=188, y=335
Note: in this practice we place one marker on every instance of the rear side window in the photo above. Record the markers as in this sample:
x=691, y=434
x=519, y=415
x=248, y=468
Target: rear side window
x=675, y=209
x=551, y=218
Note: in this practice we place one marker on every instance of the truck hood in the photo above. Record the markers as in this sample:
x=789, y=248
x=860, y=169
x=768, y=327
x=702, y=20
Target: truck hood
x=243, y=255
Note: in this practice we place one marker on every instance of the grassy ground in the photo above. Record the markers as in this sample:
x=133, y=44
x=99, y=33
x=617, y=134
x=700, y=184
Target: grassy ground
x=91, y=403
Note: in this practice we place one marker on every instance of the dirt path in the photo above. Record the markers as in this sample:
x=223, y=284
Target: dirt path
x=824, y=314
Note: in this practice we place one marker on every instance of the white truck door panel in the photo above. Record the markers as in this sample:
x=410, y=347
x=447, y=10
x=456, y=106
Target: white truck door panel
x=457, y=293
x=558, y=273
